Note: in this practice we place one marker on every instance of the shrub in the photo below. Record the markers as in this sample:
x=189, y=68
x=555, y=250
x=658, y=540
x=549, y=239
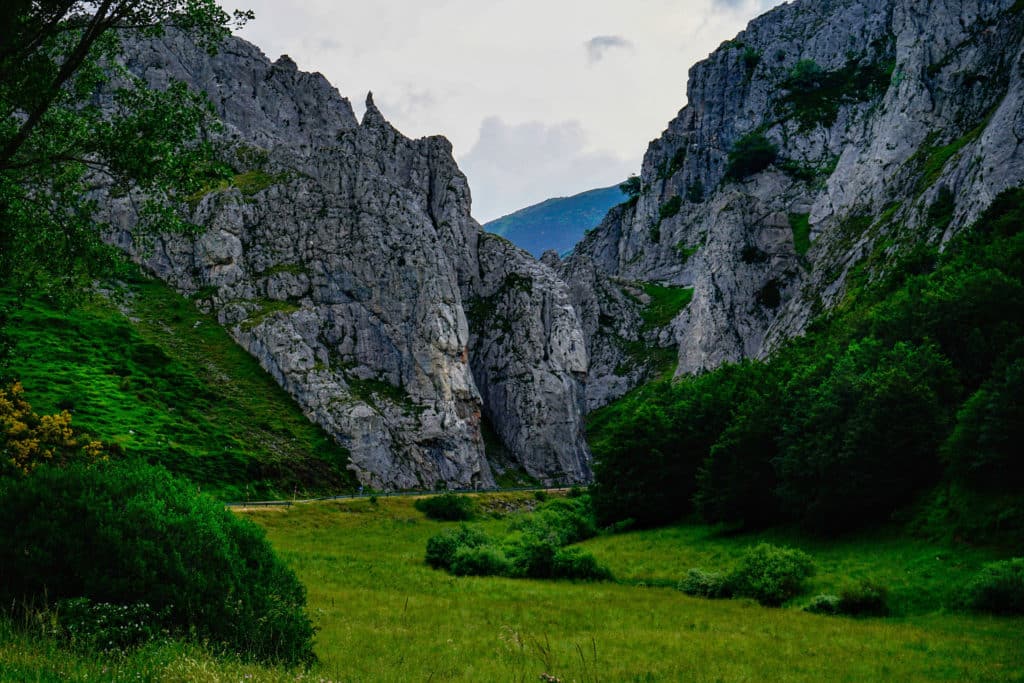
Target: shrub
x=532, y=556
x=447, y=507
x=542, y=496
x=104, y=626
x=670, y=208
x=128, y=533
x=998, y=588
x=702, y=584
x=771, y=575
x=441, y=548
x=751, y=154
x=823, y=604
x=481, y=560
x=865, y=598
x=576, y=563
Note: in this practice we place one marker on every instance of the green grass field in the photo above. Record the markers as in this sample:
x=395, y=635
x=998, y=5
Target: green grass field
x=143, y=368
x=385, y=616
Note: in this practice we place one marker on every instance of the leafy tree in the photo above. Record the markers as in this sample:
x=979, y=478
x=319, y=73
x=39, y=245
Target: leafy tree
x=631, y=187
x=751, y=154
x=57, y=144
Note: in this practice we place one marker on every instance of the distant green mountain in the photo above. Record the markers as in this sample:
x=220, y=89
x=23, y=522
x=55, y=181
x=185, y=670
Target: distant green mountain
x=556, y=223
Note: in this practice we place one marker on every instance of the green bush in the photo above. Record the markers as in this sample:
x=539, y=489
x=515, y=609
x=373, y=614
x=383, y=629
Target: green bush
x=481, y=560
x=447, y=507
x=99, y=626
x=441, y=548
x=127, y=533
x=771, y=575
x=576, y=563
x=823, y=604
x=532, y=556
x=751, y=154
x=702, y=584
x=998, y=588
x=670, y=208
x=866, y=598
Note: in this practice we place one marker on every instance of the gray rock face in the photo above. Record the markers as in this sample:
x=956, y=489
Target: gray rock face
x=908, y=104
x=344, y=258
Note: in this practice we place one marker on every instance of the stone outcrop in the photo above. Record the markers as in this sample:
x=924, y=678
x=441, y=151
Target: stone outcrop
x=895, y=124
x=344, y=257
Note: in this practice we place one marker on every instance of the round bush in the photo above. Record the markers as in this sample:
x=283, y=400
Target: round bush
x=576, y=563
x=771, y=575
x=483, y=560
x=864, y=599
x=126, y=533
x=441, y=548
x=702, y=584
x=447, y=507
x=823, y=604
x=998, y=588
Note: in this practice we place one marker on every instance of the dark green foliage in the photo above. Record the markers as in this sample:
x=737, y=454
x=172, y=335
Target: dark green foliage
x=843, y=427
x=800, y=223
x=670, y=208
x=769, y=296
x=534, y=548
x=653, y=442
x=771, y=575
x=126, y=534
x=685, y=252
x=631, y=187
x=998, y=588
x=864, y=599
x=940, y=213
x=823, y=604
x=576, y=563
x=985, y=445
x=751, y=58
x=448, y=507
x=815, y=96
x=702, y=584
x=672, y=166
x=442, y=547
x=751, y=154
x=481, y=560
x=695, y=191
x=100, y=626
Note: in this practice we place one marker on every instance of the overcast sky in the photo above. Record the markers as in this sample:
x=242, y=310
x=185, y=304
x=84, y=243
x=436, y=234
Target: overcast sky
x=540, y=98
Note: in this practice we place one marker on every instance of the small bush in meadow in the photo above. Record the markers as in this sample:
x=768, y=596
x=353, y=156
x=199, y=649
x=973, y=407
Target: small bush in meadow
x=702, y=584
x=998, y=588
x=541, y=496
x=576, y=563
x=481, y=560
x=864, y=599
x=441, y=548
x=771, y=574
x=824, y=604
x=447, y=507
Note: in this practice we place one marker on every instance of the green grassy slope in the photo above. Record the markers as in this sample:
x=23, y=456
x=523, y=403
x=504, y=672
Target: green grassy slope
x=385, y=616
x=142, y=368
x=556, y=223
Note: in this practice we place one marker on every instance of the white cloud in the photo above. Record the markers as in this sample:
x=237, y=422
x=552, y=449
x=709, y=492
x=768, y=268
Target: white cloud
x=599, y=45
x=514, y=165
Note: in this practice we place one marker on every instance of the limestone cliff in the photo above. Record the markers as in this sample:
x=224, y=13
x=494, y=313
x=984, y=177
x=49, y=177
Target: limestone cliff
x=344, y=257
x=881, y=124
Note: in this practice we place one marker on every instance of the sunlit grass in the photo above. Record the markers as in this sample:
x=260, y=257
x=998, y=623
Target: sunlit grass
x=385, y=616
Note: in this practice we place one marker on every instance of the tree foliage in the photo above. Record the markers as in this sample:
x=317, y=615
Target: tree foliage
x=57, y=143
x=916, y=379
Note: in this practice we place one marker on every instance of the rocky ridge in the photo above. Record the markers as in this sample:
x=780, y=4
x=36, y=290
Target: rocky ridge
x=892, y=124
x=344, y=257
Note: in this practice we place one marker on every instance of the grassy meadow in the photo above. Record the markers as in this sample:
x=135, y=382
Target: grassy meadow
x=385, y=616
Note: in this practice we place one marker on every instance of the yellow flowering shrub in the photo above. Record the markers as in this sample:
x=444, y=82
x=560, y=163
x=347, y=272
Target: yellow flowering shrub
x=28, y=440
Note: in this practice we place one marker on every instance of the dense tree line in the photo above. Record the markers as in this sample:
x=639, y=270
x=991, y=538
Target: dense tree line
x=916, y=380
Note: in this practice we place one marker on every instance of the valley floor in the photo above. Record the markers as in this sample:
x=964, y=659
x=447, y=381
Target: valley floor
x=385, y=616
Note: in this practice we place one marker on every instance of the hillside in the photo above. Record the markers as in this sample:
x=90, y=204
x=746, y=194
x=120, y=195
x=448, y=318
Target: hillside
x=557, y=223
x=138, y=366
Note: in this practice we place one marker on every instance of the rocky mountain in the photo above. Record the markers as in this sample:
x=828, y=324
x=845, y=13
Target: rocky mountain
x=556, y=224
x=817, y=149
x=343, y=256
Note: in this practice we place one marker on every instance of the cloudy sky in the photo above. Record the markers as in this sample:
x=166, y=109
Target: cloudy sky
x=540, y=98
